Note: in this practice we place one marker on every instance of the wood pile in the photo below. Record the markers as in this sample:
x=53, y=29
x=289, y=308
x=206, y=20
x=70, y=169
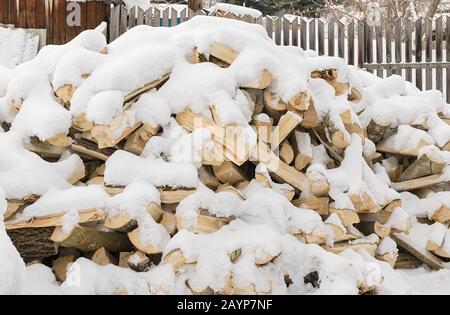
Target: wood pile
x=289, y=135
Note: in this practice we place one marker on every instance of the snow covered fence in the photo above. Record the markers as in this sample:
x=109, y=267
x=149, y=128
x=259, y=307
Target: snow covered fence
x=418, y=50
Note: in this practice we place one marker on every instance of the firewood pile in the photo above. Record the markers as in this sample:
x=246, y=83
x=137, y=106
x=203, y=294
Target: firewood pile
x=336, y=166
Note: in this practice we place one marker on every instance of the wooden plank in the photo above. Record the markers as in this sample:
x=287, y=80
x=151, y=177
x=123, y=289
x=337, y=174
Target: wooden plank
x=123, y=20
x=48, y=21
x=388, y=36
x=379, y=47
x=132, y=17
x=114, y=23
x=83, y=18
x=286, y=37
x=13, y=12
x=56, y=22
x=341, y=40
x=321, y=37
x=294, y=33
x=398, y=43
x=331, y=51
x=303, y=33
x=423, y=255
x=312, y=34
x=31, y=13
x=165, y=18
x=157, y=18
x=140, y=16
x=4, y=11
x=368, y=38
x=418, y=183
x=259, y=20
x=278, y=29
x=438, y=34
x=22, y=13
x=351, y=42
x=183, y=15
x=428, y=52
x=173, y=17
x=40, y=14
x=361, y=46
x=418, y=43
x=408, y=46
x=269, y=25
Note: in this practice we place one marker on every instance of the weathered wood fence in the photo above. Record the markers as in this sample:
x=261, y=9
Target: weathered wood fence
x=418, y=50
x=51, y=15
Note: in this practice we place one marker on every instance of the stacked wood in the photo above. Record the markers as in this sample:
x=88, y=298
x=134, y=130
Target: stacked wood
x=292, y=137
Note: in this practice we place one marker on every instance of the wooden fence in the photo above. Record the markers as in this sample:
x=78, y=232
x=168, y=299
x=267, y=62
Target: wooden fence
x=418, y=50
x=51, y=15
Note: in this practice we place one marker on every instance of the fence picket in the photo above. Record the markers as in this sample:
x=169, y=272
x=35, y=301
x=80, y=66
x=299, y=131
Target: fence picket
x=312, y=34
x=278, y=28
x=294, y=32
x=439, y=39
x=428, y=52
x=351, y=42
x=408, y=46
x=321, y=37
x=331, y=51
x=447, y=48
x=379, y=47
x=303, y=33
x=132, y=17
x=398, y=43
x=419, y=34
x=286, y=24
x=388, y=37
x=341, y=39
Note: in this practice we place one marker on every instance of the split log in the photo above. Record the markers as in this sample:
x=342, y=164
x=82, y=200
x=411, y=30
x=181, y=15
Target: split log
x=102, y=257
x=44, y=149
x=235, y=150
x=425, y=165
x=386, y=147
x=318, y=184
x=207, y=177
x=138, y=262
x=301, y=143
x=423, y=255
x=376, y=132
x=354, y=95
x=364, y=203
x=287, y=173
x=228, y=172
x=33, y=243
x=89, y=215
x=167, y=194
x=135, y=239
x=287, y=123
x=169, y=221
x=123, y=259
x=418, y=183
x=61, y=265
x=90, y=150
x=124, y=223
x=65, y=94
x=274, y=106
x=206, y=222
x=320, y=205
x=340, y=247
x=286, y=152
x=348, y=217
x=223, y=52
x=300, y=102
x=310, y=117
x=146, y=88
x=60, y=141
x=89, y=239
x=177, y=260
x=330, y=75
x=263, y=127
x=228, y=188
x=136, y=142
x=107, y=136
